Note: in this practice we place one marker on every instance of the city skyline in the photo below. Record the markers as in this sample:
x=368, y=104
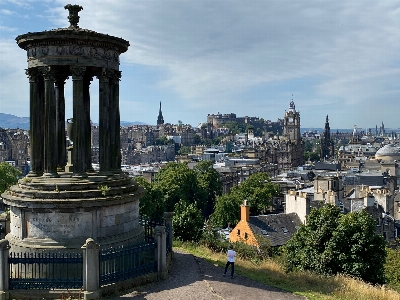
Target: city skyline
x=203, y=57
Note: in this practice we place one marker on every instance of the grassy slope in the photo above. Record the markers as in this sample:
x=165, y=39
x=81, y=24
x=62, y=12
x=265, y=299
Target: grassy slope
x=301, y=283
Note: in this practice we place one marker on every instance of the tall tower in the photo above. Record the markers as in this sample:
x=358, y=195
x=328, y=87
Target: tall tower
x=327, y=149
x=160, y=119
x=291, y=123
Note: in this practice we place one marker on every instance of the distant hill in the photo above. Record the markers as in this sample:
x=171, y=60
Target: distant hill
x=12, y=122
x=128, y=123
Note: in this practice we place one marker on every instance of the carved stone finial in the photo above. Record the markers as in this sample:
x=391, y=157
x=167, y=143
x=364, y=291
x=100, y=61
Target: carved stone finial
x=73, y=14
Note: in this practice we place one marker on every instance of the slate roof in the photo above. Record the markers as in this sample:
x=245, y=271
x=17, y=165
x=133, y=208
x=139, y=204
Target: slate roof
x=277, y=228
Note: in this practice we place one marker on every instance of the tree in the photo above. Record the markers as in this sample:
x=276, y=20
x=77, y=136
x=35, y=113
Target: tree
x=210, y=185
x=176, y=182
x=163, y=141
x=196, y=139
x=187, y=221
x=258, y=190
x=358, y=250
x=185, y=150
x=333, y=243
x=392, y=267
x=227, y=210
x=152, y=203
x=8, y=176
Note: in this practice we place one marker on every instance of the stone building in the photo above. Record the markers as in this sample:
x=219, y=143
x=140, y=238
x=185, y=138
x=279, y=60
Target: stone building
x=287, y=151
x=14, y=146
x=276, y=228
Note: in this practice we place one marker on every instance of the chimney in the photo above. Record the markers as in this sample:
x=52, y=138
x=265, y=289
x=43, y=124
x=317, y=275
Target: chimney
x=245, y=211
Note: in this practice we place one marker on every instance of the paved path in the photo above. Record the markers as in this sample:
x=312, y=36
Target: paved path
x=191, y=277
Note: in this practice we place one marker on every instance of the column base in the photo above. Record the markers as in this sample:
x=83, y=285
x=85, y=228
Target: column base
x=33, y=174
x=51, y=174
x=79, y=175
x=91, y=295
x=4, y=295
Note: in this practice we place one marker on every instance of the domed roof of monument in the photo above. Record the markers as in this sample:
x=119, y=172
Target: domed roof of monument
x=73, y=34
x=388, y=152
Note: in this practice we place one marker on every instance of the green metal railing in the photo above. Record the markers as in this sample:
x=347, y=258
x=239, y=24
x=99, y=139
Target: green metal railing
x=45, y=270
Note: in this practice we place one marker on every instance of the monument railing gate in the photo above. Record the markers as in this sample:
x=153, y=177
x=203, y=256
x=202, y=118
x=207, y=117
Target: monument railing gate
x=87, y=270
x=46, y=270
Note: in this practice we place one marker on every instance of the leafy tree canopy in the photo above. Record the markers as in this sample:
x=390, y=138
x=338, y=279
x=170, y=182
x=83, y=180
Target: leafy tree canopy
x=152, y=203
x=258, y=190
x=333, y=243
x=164, y=141
x=187, y=222
x=177, y=182
x=8, y=176
x=210, y=185
x=227, y=210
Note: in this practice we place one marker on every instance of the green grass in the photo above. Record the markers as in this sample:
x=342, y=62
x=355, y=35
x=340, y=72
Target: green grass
x=312, y=286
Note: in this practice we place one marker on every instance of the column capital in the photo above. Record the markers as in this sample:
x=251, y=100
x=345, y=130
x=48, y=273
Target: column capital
x=49, y=73
x=33, y=74
x=105, y=74
x=77, y=72
x=115, y=76
x=60, y=78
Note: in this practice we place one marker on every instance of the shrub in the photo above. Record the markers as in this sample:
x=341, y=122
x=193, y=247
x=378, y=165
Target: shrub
x=392, y=268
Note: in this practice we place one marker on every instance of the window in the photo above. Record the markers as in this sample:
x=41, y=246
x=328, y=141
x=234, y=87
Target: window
x=378, y=222
x=284, y=229
x=264, y=232
x=246, y=236
x=238, y=232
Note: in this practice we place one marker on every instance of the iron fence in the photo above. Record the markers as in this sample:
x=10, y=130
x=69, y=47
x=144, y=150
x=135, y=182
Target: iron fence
x=149, y=227
x=45, y=270
x=126, y=262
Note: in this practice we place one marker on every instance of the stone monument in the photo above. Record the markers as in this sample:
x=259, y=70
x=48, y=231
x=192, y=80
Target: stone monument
x=56, y=207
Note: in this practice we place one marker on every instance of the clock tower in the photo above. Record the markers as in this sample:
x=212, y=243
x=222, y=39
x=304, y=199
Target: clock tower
x=291, y=123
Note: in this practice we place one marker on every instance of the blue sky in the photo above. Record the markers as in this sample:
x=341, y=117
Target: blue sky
x=199, y=57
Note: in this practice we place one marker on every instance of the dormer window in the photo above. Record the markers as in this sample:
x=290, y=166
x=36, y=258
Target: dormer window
x=284, y=229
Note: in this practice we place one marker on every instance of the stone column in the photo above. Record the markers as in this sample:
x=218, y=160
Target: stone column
x=50, y=132
x=36, y=136
x=161, y=251
x=168, y=226
x=104, y=121
x=79, y=122
x=4, y=269
x=60, y=108
x=91, y=270
x=88, y=130
x=115, y=123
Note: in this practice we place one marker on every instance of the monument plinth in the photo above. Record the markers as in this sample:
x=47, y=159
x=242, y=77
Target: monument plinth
x=57, y=206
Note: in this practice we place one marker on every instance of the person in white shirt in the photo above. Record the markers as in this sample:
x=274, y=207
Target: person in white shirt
x=231, y=261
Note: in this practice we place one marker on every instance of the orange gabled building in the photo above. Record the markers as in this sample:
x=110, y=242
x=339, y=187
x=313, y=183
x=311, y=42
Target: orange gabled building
x=277, y=228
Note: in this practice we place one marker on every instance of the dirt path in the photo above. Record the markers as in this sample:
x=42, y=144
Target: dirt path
x=191, y=277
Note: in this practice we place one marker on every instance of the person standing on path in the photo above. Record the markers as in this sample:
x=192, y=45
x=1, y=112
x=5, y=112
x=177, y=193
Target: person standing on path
x=231, y=261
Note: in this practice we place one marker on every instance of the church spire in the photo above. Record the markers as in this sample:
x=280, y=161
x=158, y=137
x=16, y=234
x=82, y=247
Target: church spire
x=160, y=119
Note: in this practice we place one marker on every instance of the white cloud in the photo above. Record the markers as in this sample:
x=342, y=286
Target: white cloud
x=210, y=53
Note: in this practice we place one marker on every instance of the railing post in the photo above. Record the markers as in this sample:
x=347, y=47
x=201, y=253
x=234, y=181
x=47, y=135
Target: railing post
x=168, y=224
x=161, y=251
x=4, y=270
x=91, y=270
